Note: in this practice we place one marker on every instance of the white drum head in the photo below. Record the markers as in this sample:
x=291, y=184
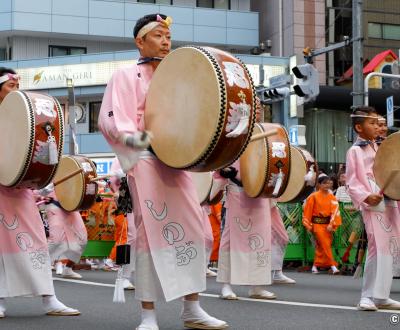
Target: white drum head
x=70, y=192
x=298, y=169
x=183, y=116
x=254, y=165
x=17, y=131
x=203, y=182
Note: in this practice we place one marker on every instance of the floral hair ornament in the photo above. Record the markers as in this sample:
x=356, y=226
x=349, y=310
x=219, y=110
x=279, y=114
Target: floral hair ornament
x=150, y=26
x=9, y=76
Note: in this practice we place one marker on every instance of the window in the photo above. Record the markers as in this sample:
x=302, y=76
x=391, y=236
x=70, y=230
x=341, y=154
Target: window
x=3, y=54
x=161, y=2
x=374, y=30
x=217, y=4
x=391, y=31
x=65, y=50
x=94, y=110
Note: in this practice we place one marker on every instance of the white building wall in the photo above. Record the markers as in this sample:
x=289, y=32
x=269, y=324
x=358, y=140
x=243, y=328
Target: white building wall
x=29, y=48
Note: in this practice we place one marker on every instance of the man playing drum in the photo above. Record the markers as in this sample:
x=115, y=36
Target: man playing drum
x=170, y=247
x=24, y=256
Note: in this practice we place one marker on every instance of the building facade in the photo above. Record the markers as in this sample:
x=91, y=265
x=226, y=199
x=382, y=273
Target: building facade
x=50, y=41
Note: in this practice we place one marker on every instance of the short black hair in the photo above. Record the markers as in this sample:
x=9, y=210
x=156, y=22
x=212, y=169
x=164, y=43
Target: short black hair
x=361, y=111
x=324, y=178
x=4, y=71
x=144, y=21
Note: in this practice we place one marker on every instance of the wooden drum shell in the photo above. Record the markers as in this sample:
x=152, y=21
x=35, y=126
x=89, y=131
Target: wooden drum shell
x=297, y=189
x=78, y=192
x=263, y=160
x=24, y=117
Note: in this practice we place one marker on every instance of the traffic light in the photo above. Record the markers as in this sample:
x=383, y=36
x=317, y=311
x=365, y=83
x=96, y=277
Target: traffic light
x=270, y=95
x=308, y=84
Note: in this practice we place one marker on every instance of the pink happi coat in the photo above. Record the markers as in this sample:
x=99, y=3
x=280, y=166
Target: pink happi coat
x=208, y=233
x=279, y=237
x=170, y=247
x=24, y=256
x=382, y=223
x=245, y=250
x=68, y=235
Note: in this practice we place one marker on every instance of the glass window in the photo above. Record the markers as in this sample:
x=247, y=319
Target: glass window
x=205, y=3
x=3, y=54
x=146, y=1
x=65, y=50
x=375, y=30
x=391, y=31
x=94, y=110
x=162, y=2
x=221, y=4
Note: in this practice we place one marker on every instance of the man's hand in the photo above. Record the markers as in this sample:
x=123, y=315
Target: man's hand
x=137, y=140
x=329, y=228
x=373, y=199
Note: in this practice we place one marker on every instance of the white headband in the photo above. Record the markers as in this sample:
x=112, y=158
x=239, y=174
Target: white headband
x=364, y=116
x=9, y=76
x=150, y=26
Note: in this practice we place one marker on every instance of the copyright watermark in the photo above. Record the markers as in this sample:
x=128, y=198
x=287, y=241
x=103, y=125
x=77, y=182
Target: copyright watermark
x=394, y=319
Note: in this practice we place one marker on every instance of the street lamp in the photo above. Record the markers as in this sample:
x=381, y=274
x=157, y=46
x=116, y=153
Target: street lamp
x=71, y=117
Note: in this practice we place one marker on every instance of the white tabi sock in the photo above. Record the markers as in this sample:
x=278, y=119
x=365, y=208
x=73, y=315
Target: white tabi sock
x=2, y=305
x=227, y=290
x=51, y=303
x=149, y=317
x=334, y=269
x=193, y=313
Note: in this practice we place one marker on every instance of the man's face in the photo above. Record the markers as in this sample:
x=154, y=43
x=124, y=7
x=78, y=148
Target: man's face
x=7, y=87
x=369, y=128
x=156, y=43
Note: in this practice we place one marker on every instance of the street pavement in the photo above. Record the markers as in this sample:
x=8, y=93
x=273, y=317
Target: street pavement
x=316, y=302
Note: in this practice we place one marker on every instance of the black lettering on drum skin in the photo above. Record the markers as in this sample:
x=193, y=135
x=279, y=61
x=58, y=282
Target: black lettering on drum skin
x=110, y=114
x=279, y=164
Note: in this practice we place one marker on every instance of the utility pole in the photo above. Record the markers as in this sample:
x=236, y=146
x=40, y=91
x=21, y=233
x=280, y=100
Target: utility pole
x=358, y=78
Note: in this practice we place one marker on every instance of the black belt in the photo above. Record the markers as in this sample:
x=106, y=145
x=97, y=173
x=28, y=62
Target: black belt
x=321, y=220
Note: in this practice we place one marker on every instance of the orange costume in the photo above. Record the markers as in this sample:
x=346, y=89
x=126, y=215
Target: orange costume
x=215, y=220
x=321, y=209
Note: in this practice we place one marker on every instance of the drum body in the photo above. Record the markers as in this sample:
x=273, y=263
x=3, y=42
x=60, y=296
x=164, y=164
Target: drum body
x=78, y=192
x=31, y=139
x=386, y=166
x=265, y=164
x=302, y=164
x=203, y=183
x=200, y=108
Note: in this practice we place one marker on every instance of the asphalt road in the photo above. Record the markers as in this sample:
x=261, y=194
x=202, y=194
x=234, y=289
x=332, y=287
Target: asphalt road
x=315, y=302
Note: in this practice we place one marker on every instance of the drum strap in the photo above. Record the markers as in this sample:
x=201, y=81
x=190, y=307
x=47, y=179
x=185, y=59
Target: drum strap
x=236, y=181
x=56, y=203
x=144, y=60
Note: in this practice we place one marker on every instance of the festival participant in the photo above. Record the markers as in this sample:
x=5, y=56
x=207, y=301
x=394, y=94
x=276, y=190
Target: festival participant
x=279, y=241
x=24, y=256
x=321, y=217
x=382, y=129
x=380, y=216
x=67, y=234
x=245, y=250
x=215, y=221
x=125, y=230
x=164, y=199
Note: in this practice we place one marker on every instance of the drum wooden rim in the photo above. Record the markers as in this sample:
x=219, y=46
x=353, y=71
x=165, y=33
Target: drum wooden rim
x=386, y=161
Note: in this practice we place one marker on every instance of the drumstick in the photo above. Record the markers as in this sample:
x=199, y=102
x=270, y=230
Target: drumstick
x=391, y=176
x=263, y=135
x=65, y=178
x=98, y=178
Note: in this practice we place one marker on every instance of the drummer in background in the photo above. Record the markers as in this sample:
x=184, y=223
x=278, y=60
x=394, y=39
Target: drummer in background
x=279, y=242
x=381, y=217
x=245, y=249
x=164, y=199
x=68, y=235
x=382, y=129
x=24, y=256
